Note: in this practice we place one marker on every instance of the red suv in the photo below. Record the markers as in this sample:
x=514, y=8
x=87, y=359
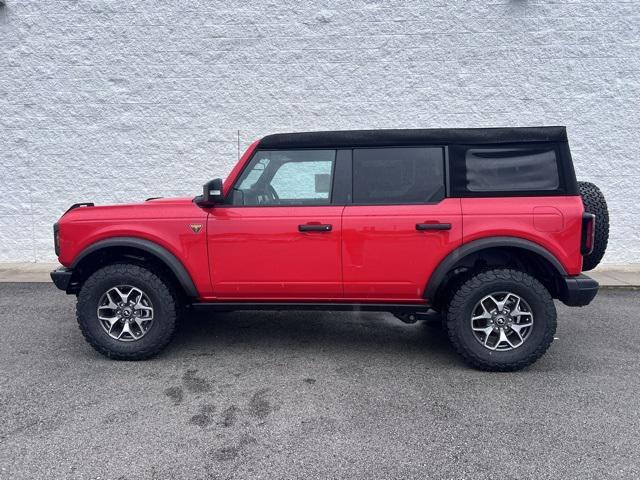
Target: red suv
x=487, y=226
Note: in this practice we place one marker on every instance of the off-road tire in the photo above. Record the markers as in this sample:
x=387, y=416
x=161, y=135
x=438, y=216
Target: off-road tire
x=594, y=202
x=163, y=298
x=460, y=310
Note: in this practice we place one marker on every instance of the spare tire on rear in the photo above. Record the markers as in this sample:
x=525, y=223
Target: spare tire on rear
x=594, y=202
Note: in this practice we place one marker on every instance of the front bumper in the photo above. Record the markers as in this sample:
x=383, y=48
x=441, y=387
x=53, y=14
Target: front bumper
x=62, y=277
x=578, y=291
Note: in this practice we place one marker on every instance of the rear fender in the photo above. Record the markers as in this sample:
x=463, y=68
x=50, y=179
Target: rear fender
x=440, y=273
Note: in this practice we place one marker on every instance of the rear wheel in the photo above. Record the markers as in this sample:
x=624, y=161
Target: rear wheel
x=501, y=320
x=127, y=312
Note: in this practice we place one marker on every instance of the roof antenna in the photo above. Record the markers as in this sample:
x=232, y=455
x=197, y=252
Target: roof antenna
x=238, y=144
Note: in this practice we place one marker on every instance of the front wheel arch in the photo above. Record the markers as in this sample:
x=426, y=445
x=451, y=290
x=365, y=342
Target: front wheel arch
x=114, y=250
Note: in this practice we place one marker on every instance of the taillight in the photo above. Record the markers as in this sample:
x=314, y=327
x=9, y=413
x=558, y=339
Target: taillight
x=56, y=238
x=588, y=233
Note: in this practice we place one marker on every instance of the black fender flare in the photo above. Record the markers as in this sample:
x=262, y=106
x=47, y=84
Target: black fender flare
x=164, y=255
x=440, y=273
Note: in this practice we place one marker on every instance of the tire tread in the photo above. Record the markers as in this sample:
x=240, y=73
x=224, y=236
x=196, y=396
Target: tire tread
x=594, y=202
x=166, y=294
x=457, y=305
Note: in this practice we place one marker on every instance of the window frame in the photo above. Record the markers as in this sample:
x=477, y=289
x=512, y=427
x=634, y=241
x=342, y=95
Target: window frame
x=454, y=167
x=228, y=197
x=342, y=177
x=459, y=171
x=445, y=175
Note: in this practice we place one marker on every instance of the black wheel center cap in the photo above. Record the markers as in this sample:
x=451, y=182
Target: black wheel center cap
x=126, y=312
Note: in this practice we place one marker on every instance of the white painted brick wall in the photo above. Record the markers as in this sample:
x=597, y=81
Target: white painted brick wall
x=114, y=101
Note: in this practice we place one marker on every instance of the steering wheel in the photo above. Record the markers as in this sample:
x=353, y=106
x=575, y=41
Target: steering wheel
x=272, y=192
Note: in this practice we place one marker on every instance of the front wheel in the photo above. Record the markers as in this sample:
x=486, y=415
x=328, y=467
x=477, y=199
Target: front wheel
x=501, y=320
x=127, y=312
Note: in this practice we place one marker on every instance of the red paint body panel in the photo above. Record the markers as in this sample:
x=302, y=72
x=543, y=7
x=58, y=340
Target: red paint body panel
x=385, y=257
x=548, y=219
x=164, y=221
x=258, y=253
x=514, y=217
x=237, y=170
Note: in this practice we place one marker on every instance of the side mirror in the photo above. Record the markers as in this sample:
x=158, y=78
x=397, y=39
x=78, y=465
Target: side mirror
x=211, y=193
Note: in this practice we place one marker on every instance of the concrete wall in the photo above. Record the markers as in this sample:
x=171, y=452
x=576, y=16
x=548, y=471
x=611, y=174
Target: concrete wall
x=115, y=101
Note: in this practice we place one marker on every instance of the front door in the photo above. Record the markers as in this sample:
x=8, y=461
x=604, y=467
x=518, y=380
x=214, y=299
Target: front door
x=278, y=236
x=399, y=226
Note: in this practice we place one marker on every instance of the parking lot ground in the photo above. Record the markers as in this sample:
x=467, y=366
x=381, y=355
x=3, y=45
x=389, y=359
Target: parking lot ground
x=314, y=395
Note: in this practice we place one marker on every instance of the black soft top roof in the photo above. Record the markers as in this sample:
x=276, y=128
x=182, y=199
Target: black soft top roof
x=427, y=136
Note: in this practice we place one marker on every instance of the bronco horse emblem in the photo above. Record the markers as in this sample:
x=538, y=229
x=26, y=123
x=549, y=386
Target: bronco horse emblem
x=196, y=227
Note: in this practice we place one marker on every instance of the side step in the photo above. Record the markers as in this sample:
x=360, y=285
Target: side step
x=337, y=307
x=412, y=317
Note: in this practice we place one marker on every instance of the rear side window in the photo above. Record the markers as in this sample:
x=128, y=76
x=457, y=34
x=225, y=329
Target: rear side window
x=398, y=175
x=517, y=170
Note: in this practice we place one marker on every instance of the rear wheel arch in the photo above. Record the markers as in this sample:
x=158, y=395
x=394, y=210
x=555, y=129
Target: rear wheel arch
x=132, y=250
x=490, y=253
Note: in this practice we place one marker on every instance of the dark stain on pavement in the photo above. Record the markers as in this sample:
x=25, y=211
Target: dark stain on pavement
x=175, y=394
x=231, y=452
x=204, y=418
x=310, y=381
x=226, y=453
x=259, y=406
x=230, y=416
x=195, y=384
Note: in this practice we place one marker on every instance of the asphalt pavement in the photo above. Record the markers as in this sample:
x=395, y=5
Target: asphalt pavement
x=314, y=395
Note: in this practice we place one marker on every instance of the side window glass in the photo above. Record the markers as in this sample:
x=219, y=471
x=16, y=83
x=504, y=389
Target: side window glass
x=286, y=177
x=303, y=180
x=404, y=175
x=511, y=169
x=254, y=174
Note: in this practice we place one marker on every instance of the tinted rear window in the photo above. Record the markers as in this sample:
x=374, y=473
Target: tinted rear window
x=505, y=169
x=518, y=170
x=398, y=175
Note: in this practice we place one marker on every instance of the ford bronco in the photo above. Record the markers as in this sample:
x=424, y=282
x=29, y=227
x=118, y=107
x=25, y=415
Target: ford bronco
x=486, y=226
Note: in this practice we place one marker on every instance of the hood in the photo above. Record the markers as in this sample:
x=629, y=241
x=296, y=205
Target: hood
x=153, y=208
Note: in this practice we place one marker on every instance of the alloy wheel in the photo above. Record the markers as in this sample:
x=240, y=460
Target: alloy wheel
x=502, y=321
x=125, y=313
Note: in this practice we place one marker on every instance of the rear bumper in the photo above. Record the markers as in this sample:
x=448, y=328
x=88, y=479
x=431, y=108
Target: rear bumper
x=578, y=291
x=62, y=277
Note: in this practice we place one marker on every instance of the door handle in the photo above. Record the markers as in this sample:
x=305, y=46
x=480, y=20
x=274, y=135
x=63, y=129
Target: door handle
x=315, y=227
x=433, y=226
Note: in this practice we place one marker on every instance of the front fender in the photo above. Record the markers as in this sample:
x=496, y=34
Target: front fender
x=164, y=255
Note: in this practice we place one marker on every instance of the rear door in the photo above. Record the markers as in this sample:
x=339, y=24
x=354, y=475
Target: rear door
x=399, y=225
